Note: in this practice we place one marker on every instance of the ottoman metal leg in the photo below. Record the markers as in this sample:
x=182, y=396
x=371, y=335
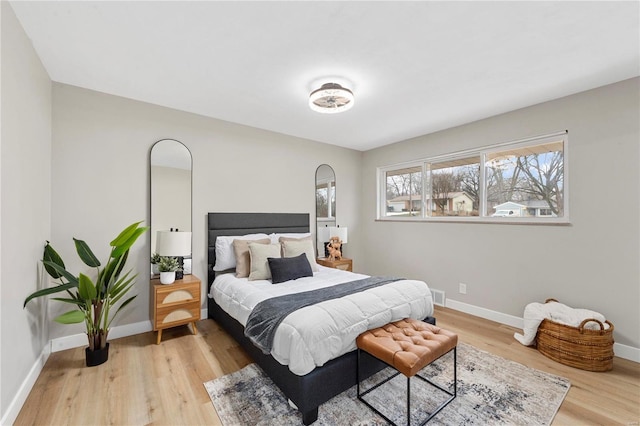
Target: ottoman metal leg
x=452, y=395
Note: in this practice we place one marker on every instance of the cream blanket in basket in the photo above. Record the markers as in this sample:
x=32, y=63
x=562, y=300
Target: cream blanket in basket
x=534, y=313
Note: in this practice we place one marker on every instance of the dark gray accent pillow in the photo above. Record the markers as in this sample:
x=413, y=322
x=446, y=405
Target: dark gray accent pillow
x=289, y=268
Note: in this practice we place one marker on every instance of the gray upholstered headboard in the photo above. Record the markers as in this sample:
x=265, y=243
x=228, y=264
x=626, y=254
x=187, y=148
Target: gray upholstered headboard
x=249, y=223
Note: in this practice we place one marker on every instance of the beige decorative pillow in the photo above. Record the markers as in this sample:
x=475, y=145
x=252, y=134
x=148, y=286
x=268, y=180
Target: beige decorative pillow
x=283, y=239
x=243, y=260
x=259, y=263
x=294, y=247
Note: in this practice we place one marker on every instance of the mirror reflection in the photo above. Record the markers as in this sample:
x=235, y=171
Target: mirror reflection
x=171, y=167
x=325, y=205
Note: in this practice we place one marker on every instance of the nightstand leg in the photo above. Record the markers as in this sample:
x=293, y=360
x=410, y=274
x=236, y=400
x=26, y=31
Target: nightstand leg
x=159, y=337
x=195, y=329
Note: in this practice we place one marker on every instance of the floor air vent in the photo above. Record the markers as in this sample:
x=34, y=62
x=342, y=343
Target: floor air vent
x=438, y=297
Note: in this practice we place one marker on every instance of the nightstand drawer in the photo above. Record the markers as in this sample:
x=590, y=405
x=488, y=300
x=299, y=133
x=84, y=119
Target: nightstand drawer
x=169, y=315
x=169, y=295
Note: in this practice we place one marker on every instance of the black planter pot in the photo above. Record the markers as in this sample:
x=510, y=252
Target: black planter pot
x=97, y=357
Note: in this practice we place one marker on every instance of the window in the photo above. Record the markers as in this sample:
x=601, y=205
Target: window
x=454, y=187
x=519, y=181
x=528, y=180
x=403, y=192
x=326, y=199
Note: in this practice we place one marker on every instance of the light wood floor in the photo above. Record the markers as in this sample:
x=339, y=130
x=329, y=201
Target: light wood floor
x=144, y=383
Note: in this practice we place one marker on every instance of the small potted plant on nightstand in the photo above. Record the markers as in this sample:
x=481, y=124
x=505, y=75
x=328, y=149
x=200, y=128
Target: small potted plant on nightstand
x=168, y=266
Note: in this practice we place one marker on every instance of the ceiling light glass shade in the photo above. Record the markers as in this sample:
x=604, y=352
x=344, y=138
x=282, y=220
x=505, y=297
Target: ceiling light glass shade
x=331, y=98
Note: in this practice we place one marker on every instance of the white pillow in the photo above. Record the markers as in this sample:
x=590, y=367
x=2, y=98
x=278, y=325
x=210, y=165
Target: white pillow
x=225, y=256
x=259, y=264
x=293, y=248
x=275, y=238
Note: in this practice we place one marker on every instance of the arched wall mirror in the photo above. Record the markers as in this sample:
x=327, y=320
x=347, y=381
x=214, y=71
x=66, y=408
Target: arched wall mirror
x=171, y=166
x=325, y=205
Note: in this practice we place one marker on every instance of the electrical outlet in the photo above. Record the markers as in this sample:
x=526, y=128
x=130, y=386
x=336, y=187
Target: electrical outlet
x=462, y=288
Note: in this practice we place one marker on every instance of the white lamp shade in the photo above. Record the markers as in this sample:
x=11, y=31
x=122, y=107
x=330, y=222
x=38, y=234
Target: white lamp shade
x=323, y=233
x=336, y=231
x=170, y=243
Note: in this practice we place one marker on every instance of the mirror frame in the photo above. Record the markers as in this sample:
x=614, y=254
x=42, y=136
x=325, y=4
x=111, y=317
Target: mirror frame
x=181, y=163
x=329, y=220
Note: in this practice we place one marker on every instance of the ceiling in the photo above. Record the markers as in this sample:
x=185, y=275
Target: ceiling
x=414, y=67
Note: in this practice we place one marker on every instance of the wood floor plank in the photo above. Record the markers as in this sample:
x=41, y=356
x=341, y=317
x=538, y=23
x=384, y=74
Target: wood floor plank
x=145, y=383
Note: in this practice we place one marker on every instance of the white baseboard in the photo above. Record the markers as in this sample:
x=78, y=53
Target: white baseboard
x=20, y=397
x=622, y=351
x=78, y=340
x=626, y=352
x=496, y=316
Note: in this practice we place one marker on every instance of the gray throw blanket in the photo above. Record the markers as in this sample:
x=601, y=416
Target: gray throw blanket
x=268, y=314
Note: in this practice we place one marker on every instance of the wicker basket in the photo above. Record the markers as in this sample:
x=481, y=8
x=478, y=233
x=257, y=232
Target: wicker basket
x=578, y=347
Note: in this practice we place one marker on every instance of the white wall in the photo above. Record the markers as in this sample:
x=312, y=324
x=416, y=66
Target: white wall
x=594, y=263
x=100, y=175
x=25, y=194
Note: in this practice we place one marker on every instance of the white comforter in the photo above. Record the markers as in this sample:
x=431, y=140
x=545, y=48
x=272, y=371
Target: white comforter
x=313, y=335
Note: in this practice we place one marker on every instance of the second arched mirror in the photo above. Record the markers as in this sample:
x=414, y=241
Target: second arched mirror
x=171, y=167
x=325, y=205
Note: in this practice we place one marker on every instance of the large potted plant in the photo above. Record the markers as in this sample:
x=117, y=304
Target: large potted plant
x=94, y=300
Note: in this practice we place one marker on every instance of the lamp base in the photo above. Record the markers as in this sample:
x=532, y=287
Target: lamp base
x=180, y=272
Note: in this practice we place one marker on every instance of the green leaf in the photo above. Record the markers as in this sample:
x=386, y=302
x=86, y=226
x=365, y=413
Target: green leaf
x=47, y=291
x=86, y=288
x=125, y=303
x=73, y=301
x=121, y=288
x=120, y=249
x=125, y=234
x=120, y=265
x=85, y=253
x=71, y=317
x=63, y=272
x=51, y=255
x=111, y=272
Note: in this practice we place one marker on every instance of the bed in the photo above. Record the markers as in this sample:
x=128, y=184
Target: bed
x=309, y=390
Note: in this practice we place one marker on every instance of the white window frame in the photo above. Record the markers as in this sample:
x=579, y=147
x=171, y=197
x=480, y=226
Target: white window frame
x=482, y=154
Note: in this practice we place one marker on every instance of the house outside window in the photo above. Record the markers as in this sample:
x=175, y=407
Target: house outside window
x=522, y=181
x=403, y=192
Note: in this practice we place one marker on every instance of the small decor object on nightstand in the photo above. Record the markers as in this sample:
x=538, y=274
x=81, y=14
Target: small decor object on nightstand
x=168, y=266
x=334, y=248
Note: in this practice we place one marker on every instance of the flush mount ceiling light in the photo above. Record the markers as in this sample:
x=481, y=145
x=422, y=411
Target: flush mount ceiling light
x=331, y=98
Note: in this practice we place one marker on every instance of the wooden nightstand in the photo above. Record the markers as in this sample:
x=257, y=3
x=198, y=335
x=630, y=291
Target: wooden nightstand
x=344, y=263
x=176, y=304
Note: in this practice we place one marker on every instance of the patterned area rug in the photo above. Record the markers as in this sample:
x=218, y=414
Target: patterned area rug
x=491, y=391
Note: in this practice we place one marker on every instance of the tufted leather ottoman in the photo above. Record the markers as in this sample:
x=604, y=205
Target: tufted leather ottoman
x=408, y=346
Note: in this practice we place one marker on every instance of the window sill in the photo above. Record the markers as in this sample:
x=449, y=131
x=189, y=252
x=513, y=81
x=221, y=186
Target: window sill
x=483, y=220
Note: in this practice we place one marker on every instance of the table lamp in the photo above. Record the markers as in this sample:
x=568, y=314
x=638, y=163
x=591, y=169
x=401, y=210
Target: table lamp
x=174, y=244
